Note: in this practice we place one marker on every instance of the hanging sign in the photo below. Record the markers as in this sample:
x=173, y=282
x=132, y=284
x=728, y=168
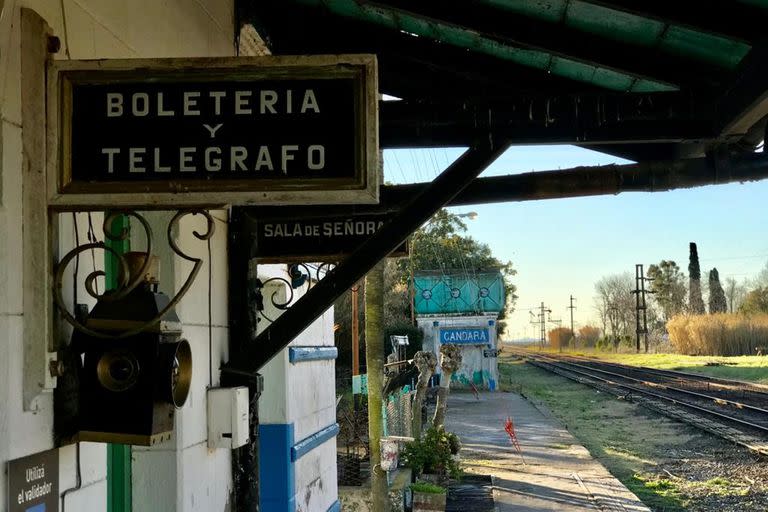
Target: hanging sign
x=204, y=132
x=33, y=483
x=328, y=238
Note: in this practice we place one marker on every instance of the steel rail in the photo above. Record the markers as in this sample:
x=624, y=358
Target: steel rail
x=642, y=391
x=717, y=400
x=733, y=384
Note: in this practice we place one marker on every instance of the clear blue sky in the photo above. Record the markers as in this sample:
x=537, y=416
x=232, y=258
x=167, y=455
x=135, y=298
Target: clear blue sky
x=562, y=247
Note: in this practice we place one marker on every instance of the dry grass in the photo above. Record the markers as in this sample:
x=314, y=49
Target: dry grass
x=722, y=334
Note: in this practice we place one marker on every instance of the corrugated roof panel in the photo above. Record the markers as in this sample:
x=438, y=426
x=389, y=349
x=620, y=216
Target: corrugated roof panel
x=612, y=24
x=590, y=74
x=705, y=47
x=651, y=86
x=757, y=3
x=465, y=38
x=547, y=10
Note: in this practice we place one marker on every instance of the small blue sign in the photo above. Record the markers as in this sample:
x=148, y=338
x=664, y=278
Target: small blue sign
x=37, y=508
x=466, y=336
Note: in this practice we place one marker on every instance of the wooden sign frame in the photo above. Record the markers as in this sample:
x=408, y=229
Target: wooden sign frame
x=66, y=194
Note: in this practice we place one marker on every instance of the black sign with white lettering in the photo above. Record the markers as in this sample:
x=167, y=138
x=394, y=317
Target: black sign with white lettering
x=315, y=239
x=33, y=483
x=213, y=131
x=272, y=132
x=490, y=352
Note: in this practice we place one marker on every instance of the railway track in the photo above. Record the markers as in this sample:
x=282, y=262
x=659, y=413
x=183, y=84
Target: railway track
x=733, y=410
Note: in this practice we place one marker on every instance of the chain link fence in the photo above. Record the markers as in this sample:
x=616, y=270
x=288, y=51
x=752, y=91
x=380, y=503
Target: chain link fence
x=398, y=416
x=352, y=454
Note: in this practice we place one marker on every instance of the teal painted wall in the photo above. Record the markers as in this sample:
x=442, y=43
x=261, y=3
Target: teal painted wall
x=459, y=293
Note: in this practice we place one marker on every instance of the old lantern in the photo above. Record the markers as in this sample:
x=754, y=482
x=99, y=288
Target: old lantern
x=130, y=386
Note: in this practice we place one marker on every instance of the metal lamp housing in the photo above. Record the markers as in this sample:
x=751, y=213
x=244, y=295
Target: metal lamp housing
x=131, y=386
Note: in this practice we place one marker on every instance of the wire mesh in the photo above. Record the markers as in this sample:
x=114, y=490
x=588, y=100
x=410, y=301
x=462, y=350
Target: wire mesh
x=352, y=455
x=398, y=414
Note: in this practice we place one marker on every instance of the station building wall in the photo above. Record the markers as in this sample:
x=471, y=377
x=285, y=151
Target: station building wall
x=181, y=474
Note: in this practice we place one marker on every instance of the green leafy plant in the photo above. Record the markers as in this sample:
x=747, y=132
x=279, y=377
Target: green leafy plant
x=433, y=453
x=427, y=488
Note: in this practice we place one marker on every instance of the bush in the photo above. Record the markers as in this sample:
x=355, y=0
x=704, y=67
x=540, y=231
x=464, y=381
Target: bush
x=560, y=337
x=427, y=488
x=605, y=343
x=433, y=453
x=721, y=334
x=589, y=335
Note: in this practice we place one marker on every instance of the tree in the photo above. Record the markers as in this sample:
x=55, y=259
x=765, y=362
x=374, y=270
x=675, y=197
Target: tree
x=695, y=302
x=588, y=335
x=559, y=337
x=616, y=305
x=717, y=302
x=756, y=301
x=441, y=245
x=734, y=293
x=668, y=286
x=762, y=277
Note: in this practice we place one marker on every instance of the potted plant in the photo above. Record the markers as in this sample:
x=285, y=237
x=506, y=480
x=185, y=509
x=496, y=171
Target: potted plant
x=427, y=497
x=432, y=455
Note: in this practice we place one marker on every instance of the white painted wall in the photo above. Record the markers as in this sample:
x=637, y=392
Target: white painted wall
x=191, y=477
x=304, y=395
x=181, y=474
x=473, y=359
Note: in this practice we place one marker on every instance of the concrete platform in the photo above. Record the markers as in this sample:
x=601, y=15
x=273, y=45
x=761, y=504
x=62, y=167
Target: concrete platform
x=559, y=474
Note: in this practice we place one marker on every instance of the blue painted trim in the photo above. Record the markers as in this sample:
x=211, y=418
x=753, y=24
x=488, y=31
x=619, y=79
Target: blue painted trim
x=491, y=322
x=301, y=354
x=277, y=478
x=308, y=444
x=335, y=506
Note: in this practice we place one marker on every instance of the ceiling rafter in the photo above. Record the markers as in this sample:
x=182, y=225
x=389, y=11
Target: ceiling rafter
x=429, y=67
x=518, y=31
x=745, y=100
x=731, y=20
x=545, y=118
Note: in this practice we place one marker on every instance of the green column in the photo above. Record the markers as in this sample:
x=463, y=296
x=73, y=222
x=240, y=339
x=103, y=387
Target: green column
x=118, y=455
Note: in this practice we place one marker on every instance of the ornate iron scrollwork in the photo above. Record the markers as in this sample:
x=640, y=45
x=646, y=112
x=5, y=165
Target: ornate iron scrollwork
x=127, y=283
x=296, y=279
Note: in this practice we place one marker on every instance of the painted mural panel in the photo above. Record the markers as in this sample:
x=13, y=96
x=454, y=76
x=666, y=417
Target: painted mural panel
x=465, y=293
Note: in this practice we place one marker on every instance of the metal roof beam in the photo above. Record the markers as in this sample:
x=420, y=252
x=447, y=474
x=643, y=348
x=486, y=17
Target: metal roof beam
x=542, y=119
x=253, y=355
x=408, y=66
x=653, y=176
x=731, y=20
x=518, y=31
x=745, y=101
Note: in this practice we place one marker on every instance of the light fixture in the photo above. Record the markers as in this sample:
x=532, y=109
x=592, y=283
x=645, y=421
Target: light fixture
x=298, y=278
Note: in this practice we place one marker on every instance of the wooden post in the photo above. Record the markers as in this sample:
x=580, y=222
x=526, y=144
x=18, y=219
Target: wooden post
x=37, y=269
x=374, y=359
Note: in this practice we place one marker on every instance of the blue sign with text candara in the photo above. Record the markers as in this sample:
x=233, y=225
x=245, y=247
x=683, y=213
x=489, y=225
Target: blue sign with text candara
x=465, y=336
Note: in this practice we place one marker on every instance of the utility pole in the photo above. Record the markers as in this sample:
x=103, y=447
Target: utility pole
x=541, y=320
x=641, y=308
x=573, y=333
